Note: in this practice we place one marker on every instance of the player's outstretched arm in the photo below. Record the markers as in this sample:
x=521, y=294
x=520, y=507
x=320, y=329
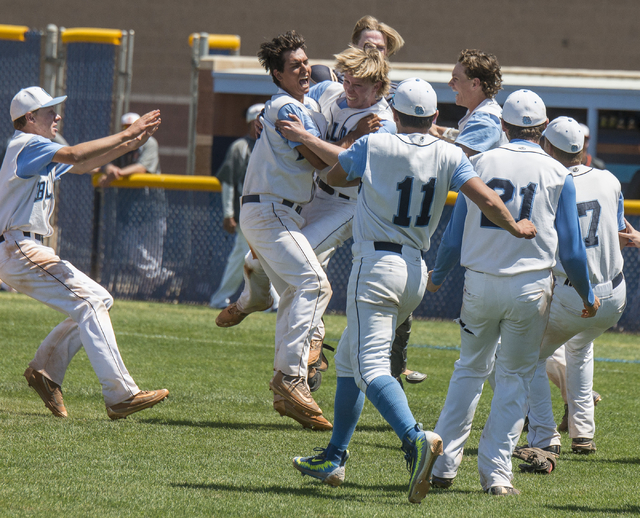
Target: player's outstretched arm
x=100, y=160
x=294, y=131
x=431, y=287
x=629, y=236
x=81, y=153
x=492, y=206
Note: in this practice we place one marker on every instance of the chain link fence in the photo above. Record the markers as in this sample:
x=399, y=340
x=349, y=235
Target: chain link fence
x=169, y=246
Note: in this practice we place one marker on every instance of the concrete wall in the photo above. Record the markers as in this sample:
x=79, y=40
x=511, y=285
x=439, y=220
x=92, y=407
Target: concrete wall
x=599, y=34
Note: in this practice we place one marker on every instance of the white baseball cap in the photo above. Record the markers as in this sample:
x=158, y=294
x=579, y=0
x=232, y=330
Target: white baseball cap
x=415, y=97
x=565, y=134
x=32, y=99
x=129, y=118
x=524, y=108
x=585, y=129
x=253, y=112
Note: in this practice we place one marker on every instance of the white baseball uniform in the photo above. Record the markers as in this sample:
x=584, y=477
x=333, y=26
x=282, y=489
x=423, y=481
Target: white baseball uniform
x=279, y=181
x=328, y=218
x=481, y=129
x=600, y=207
x=507, y=293
x=405, y=182
x=26, y=204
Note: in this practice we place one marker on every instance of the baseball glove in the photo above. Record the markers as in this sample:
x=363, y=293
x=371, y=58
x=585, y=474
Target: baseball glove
x=537, y=460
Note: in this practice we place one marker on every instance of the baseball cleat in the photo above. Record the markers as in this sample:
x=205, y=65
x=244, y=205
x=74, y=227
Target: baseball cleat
x=502, y=491
x=441, y=482
x=583, y=445
x=312, y=422
x=319, y=467
x=421, y=456
x=49, y=392
x=143, y=399
x=232, y=316
x=295, y=390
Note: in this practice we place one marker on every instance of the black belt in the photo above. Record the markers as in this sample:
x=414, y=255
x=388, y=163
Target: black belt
x=330, y=190
x=38, y=237
x=614, y=283
x=387, y=247
x=255, y=198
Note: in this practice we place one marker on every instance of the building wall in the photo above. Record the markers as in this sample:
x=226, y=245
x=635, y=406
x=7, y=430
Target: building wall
x=600, y=34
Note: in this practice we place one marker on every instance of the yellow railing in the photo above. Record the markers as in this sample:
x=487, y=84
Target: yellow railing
x=13, y=32
x=90, y=35
x=180, y=182
x=221, y=41
x=175, y=182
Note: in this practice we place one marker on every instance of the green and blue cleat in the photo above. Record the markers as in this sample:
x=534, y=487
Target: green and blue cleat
x=421, y=455
x=319, y=467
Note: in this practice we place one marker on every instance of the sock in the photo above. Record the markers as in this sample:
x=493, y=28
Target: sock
x=387, y=396
x=347, y=408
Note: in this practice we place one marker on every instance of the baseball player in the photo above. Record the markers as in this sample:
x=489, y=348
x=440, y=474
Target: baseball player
x=507, y=290
x=31, y=165
x=600, y=207
x=278, y=183
x=476, y=79
x=328, y=217
x=404, y=180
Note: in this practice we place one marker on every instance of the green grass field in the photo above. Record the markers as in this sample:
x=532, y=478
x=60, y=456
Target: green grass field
x=217, y=448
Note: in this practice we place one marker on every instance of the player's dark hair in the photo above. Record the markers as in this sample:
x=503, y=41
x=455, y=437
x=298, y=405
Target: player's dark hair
x=411, y=121
x=20, y=123
x=485, y=67
x=533, y=133
x=271, y=53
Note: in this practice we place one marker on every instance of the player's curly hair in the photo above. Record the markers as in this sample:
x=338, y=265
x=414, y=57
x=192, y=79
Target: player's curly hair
x=271, y=53
x=368, y=23
x=368, y=64
x=563, y=156
x=532, y=133
x=485, y=67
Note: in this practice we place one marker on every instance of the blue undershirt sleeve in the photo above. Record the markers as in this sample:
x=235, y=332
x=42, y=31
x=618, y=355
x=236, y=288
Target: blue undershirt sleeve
x=307, y=121
x=621, y=224
x=451, y=243
x=36, y=156
x=571, y=249
x=354, y=159
x=388, y=127
x=462, y=174
x=481, y=133
x=316, y=91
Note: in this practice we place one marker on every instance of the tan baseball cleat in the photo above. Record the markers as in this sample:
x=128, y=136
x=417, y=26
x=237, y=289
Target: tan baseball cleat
x=286, y=409
x=143, y=399
x=49, y=392
x=232, y=316
x=295, y=390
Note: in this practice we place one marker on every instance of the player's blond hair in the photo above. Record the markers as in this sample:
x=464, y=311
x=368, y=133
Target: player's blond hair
x=369, y=23
x=368, y=64
x=485, y=67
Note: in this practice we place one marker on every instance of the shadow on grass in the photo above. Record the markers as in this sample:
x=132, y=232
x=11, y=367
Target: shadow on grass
x=581, y=457
x=222, y=424
x=604, y=511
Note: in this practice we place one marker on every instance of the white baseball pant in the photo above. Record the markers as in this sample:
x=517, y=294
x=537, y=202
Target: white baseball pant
x=577, y=334
x=515, y=308
x=273, y=231
x=35, y=270
x=384, y=288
